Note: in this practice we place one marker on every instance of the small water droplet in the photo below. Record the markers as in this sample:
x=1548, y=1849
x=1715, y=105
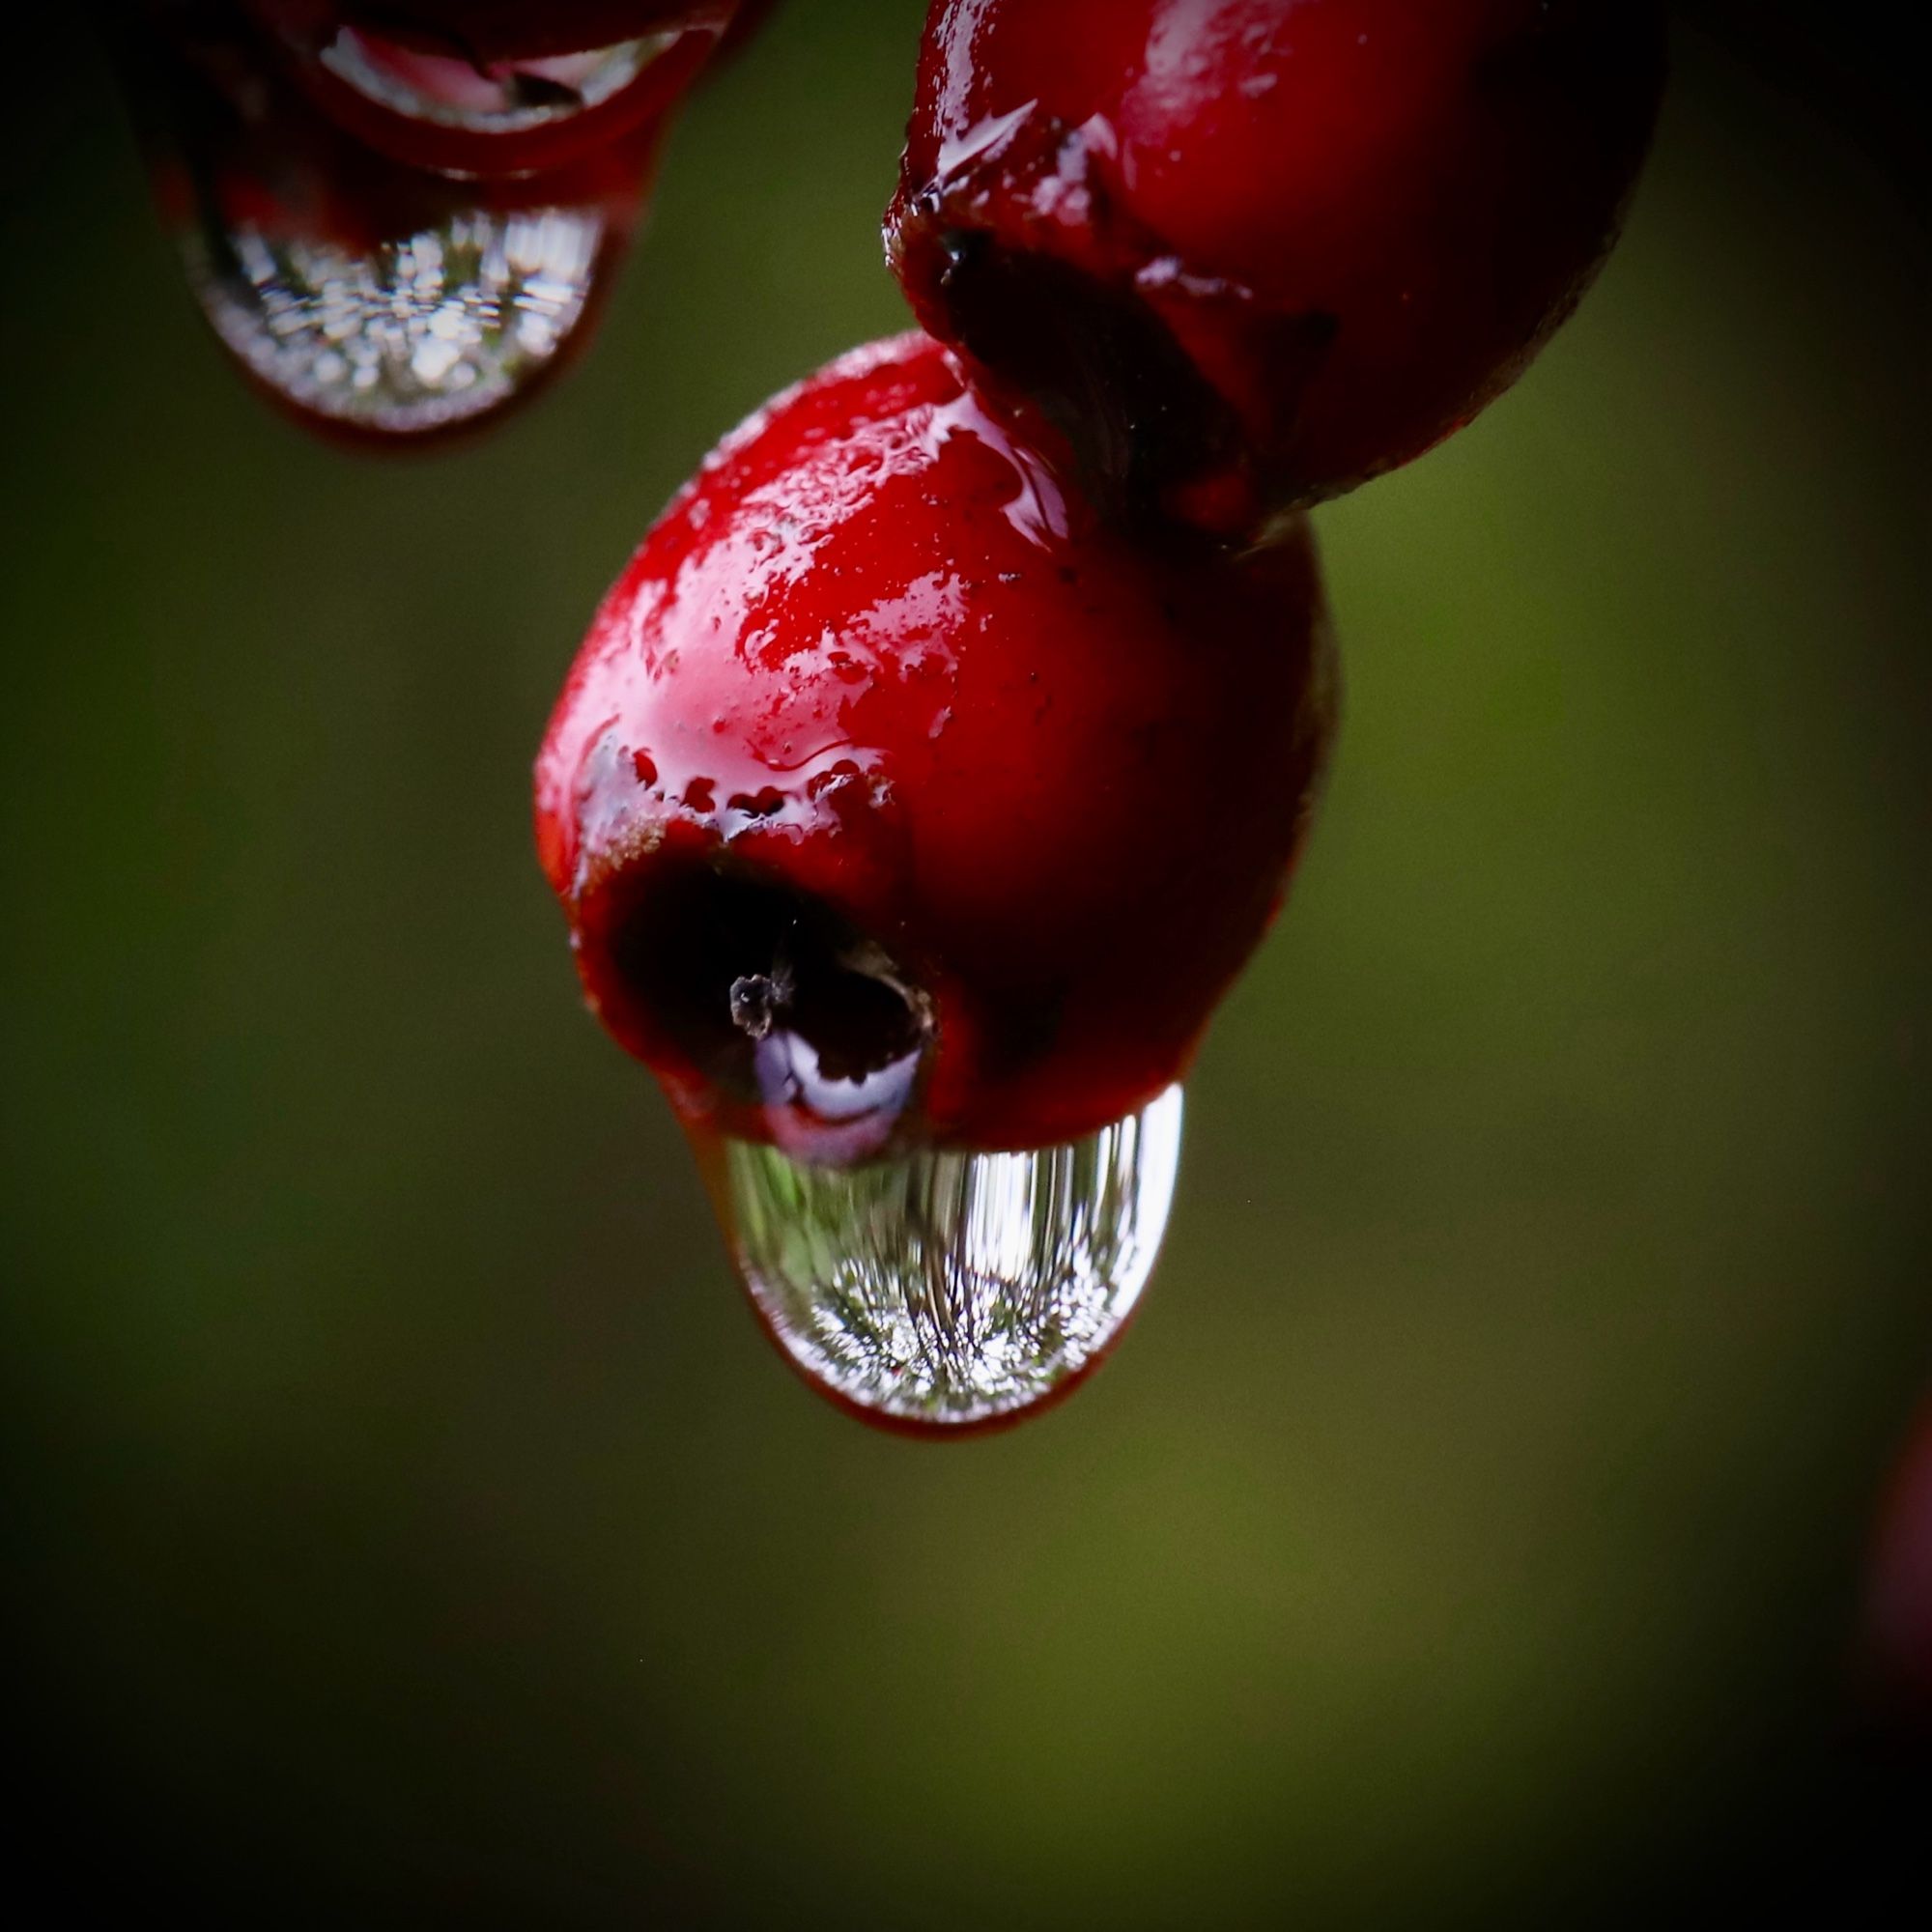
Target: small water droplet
x=945, y=1290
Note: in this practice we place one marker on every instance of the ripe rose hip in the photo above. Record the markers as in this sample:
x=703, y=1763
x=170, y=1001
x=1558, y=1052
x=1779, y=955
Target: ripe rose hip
x=895, y=799
x=494, y=87
x=1250, y=253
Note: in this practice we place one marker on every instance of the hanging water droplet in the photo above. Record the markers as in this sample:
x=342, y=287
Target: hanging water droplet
x=946, y=1288
x=400, y=336
x=368, y=295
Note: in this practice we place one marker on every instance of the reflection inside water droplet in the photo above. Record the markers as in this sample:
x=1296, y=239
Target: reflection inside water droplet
x=944, y=1289
x=486, y=98
x=432, y=329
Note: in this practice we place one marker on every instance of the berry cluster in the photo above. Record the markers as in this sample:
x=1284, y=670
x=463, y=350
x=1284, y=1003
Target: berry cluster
x=399, y=215
x=946, y=748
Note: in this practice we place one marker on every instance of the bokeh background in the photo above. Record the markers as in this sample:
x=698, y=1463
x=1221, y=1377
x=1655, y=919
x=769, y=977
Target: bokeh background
x=409, y=1522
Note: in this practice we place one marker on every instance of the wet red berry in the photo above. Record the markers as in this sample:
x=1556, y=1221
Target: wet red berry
x=494, y=87
x=896, y=797
x=1249, y=253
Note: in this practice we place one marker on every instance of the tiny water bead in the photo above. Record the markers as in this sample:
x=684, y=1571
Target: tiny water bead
x=943, y=1290
x=403, y=336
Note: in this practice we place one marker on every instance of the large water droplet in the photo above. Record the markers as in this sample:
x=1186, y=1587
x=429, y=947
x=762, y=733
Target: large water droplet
x=944, y=1289
x=421, y=332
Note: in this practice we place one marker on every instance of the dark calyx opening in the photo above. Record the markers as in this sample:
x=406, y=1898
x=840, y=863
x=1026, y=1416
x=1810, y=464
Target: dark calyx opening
x=717, y=964
x=1103, y=368
x=538, y=91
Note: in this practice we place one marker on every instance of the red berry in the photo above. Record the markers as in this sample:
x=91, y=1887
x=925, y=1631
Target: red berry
x=1897, y=1636
x=494, y=87
x=1249, y=253
x=896, y=798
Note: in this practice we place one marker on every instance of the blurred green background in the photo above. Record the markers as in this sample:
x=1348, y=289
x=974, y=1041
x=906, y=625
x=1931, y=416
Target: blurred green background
x=409, y=1521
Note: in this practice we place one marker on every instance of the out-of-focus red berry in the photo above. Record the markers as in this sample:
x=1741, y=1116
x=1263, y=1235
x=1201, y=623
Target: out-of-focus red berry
x=493, y=30
x=494, y=87
x=1898, y=1648
x=897, y=797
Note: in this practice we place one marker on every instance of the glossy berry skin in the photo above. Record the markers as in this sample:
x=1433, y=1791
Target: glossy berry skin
x=1250, y=253
x=491, y=87
x=1012, y=797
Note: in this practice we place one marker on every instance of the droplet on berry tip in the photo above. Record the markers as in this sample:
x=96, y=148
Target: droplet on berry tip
x=944, y=1291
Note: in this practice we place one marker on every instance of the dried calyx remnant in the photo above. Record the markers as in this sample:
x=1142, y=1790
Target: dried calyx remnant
x=762, y=989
